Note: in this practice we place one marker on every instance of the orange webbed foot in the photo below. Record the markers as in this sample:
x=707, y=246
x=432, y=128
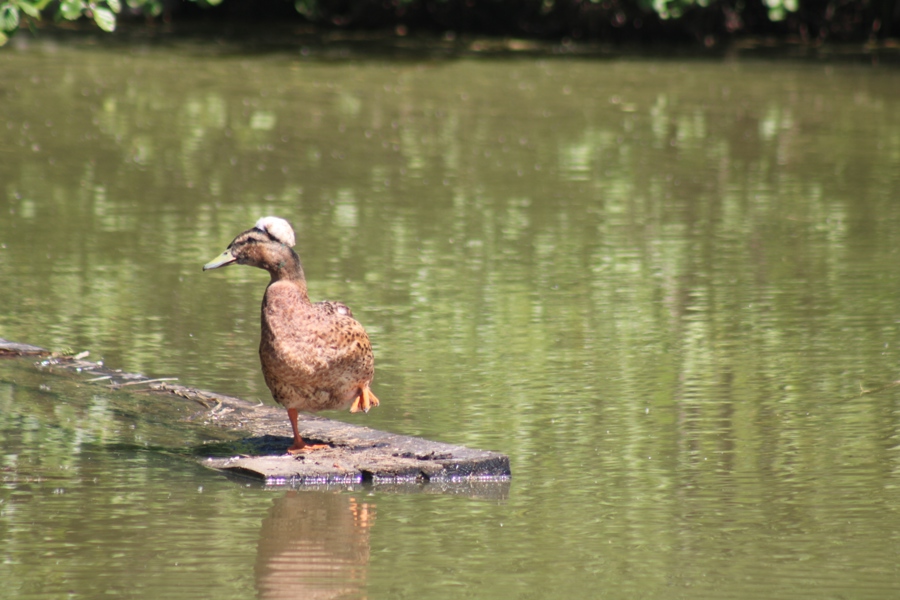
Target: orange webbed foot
x=295, y=449
x=364, y=401
x=299, y=446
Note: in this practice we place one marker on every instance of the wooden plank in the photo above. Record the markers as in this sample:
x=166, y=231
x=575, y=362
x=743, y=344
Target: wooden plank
x=358, y=455
x=8, y=348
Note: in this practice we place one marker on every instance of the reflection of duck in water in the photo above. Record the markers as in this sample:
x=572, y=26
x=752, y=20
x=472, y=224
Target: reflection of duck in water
x=314, y=545
x=314, y=356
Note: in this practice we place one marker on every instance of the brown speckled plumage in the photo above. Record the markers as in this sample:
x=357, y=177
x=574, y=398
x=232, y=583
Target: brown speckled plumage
x=315, y=356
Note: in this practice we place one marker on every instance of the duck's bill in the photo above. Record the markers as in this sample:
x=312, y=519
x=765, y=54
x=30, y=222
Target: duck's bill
x=223, y=260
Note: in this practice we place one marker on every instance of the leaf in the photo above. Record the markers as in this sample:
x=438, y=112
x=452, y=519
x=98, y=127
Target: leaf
x=71, y=9
x=214, y=2
x=9, y=17
x=30, y=9
x=114, y=5
x=105, y=19
x=305, y=7
x=3, y=38
x=776, y=13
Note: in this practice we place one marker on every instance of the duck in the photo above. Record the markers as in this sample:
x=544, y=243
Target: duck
x=314, y=355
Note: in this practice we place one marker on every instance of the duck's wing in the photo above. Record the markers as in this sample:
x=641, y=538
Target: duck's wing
x=330, y=306
x=319, y=343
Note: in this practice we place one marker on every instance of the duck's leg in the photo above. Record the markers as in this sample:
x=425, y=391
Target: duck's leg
x=299, y=445
x=364, y=401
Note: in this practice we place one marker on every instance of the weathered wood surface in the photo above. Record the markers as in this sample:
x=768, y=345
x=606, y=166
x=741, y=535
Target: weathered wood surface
x=357, y=454
x=8, y=348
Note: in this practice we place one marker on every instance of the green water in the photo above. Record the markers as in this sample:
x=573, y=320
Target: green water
x=657, y=285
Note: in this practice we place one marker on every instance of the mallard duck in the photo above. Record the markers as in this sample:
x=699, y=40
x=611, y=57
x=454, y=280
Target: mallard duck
x=315, y=356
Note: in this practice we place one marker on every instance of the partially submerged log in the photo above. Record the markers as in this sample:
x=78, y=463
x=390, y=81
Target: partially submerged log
x=357, y=454
x=8, y=348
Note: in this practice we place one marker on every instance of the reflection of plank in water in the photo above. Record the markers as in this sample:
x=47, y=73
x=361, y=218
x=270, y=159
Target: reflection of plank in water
x=357, y=454
x=314, y=545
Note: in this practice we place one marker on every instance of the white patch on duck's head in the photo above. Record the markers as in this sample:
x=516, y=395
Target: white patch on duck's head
x=278, y=228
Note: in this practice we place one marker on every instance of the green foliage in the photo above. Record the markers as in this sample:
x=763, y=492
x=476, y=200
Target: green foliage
x=305, y=7
x=102, y=12
x=778, y=9
x=30, y=9
x=9, y=17
x=610, y=20
x=70, y=9
x=105, y=19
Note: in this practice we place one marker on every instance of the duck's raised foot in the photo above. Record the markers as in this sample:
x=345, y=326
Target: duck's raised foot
x=364, y=401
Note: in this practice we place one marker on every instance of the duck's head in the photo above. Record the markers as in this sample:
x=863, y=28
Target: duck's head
x=266, y=245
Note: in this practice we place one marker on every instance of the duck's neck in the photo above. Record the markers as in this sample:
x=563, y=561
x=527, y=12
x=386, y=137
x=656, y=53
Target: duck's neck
x=287, y=267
